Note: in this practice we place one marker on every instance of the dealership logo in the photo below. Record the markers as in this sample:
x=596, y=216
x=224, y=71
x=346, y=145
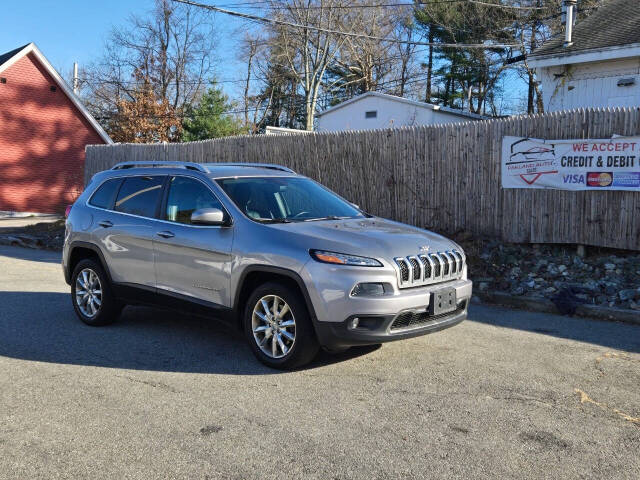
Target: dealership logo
x=531, y=159
x=525, y=151
x=599, y=179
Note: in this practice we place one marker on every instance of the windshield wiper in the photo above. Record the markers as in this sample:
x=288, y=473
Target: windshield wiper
x=273, y=220
x=328, y=217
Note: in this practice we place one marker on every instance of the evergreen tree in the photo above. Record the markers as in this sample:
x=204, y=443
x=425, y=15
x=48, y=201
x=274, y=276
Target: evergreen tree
x=210, y=118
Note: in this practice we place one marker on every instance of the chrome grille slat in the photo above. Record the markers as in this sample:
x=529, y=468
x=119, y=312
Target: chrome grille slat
x=417, y=269
x=445, y=264
x=428, y=266
x=459, y=260
x=439, y=265
x=403, y=270
x=426, y=269
x=450, y=261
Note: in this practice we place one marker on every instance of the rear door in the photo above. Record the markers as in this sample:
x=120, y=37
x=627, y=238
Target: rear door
x=126, y=231
x=192, y=260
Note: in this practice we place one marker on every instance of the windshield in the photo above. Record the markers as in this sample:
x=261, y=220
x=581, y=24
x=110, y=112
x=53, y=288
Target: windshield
x=286, y=199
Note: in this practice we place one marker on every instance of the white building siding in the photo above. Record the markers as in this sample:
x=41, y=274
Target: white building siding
x=389, y=113
x=593, y=84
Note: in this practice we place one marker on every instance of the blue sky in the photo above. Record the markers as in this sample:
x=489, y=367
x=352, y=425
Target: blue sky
x=75, y=30
x=64, y=30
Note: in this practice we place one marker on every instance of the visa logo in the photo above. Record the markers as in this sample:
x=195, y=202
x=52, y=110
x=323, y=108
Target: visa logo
x=573, y=178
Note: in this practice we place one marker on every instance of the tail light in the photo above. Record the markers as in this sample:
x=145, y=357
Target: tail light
x=67, y=211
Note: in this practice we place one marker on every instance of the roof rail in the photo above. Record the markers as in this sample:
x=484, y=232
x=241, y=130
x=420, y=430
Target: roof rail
x=271, y=166
x=187, y=165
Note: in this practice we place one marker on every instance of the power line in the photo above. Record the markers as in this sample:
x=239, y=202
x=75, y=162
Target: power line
x=398, y=4
x=282, y=23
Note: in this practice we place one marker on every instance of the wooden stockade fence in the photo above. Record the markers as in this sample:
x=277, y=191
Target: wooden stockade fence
x=444, y=177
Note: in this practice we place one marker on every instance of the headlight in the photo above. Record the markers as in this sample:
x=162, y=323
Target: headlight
x=343, y=259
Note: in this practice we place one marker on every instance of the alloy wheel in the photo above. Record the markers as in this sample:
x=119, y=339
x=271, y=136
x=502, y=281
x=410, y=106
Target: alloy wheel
x=274, y=326
x=88, y=292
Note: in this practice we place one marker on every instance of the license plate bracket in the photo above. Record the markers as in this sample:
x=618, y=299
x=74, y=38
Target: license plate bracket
x=443, y=301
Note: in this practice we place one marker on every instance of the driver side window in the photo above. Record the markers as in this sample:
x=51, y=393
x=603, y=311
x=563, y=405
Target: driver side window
x=186, y=195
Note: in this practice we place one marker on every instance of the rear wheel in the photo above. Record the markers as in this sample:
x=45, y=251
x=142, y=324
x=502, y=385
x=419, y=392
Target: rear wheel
x=91, y=294
x=278, y=327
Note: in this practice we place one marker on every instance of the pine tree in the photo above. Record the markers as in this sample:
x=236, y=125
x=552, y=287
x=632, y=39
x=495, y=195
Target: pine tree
x=210, y=118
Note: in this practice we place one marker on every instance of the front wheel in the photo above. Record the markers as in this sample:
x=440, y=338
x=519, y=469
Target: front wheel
x=278, y=327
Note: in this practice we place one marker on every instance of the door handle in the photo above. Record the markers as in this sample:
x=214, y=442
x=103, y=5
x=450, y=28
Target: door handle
x=166, y=234
x=106, y=224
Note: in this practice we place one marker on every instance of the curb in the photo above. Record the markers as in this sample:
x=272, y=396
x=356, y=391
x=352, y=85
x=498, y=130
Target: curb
x=539, y=304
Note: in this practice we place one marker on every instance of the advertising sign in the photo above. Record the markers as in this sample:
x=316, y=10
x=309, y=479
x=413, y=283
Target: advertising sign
x=612, y=164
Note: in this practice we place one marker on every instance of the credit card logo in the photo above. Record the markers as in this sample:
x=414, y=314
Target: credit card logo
x=599, y=179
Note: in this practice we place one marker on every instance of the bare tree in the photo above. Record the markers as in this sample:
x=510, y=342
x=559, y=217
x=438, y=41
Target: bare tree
x=406, y=67
x=172, y=46
x=364, y=62
x=309, y=49
x=249, y=50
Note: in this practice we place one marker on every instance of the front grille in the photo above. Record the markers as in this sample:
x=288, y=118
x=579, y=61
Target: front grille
x=417, y=270
x=418, y=319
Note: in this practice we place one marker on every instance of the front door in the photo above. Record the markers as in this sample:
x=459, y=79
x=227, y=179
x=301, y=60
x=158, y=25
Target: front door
x=192, y=260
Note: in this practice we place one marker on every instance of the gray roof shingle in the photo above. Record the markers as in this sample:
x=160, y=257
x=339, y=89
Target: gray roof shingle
x=615, y=23
x=7, y=56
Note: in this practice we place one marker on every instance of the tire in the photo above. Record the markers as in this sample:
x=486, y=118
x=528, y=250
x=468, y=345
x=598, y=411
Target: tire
x=95, y=309
x=296, y=353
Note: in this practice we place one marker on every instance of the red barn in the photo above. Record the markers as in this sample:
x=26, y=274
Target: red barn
x=44, y=129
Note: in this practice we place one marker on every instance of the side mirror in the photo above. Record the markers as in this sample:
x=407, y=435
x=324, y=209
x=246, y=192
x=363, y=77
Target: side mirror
x=208, y=216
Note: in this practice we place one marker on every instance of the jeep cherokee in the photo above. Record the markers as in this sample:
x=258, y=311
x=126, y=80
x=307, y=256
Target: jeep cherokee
x=296, y=266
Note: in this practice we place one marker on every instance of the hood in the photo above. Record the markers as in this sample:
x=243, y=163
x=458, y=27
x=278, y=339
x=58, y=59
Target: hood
x=368, y=237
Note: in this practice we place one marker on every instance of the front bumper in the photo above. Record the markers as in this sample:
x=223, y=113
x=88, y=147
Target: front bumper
x=379, y=329
x=334, y=307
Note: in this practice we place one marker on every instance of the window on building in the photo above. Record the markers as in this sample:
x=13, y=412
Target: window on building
x=371, y=114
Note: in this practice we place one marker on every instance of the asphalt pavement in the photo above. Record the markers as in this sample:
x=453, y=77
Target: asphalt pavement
x=505, y=394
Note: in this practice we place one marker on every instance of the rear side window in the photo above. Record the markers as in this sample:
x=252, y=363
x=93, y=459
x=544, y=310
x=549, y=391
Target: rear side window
x=104, y=195
x=139, y=196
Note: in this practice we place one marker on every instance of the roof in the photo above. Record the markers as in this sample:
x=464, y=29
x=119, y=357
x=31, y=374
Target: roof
x=395, y=98
x=6, y=56
x=614, y=24
x=9, y=58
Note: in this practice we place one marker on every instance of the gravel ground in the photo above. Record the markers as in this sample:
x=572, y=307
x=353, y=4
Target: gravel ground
x=601, y=276
x=33, y=232
x=506, y=394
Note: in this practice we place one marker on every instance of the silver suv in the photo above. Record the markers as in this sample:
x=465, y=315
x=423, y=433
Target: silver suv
x=293, y=264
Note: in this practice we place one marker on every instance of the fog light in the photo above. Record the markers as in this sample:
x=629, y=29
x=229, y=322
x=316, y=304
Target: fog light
x=368, y=290
x=353, y=323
